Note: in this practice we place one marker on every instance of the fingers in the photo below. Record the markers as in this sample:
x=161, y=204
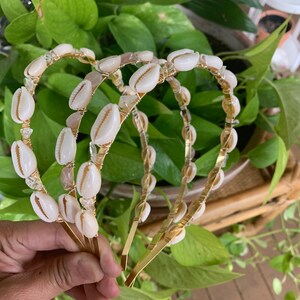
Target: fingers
x=108, y=287
x=60, y=274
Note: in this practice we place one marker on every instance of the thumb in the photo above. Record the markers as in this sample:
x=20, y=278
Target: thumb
x=60, y=274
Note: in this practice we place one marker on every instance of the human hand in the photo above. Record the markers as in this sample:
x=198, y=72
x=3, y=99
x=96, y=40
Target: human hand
x=38, y=261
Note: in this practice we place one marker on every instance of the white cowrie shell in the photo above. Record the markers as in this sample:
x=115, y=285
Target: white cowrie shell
x=146, y=212
x=109, y=64
x=95, y=78
x=126, y=101
x=145, y=78
x=219, y=180
x=193, y=134
x=190, y=172
x=145, y=56
x=149, y=181
x=44, y=206
x=107, y=125
x=88, y=53
x=184, y=59
x=23, y=159
x=22, y=106
x=232, y=140
x=150, y=155
x=182, y=209
x=68, y=207
x=143, y=121
x=183, y=96
x=230, y=78
x=88, y=180
x=212, y=61
x=87, y=224
x=36, y=68
x=81, y=95
x=63, y=49
x=199, y=213
x=178, y=238
x=236, y=107
x=65, y=149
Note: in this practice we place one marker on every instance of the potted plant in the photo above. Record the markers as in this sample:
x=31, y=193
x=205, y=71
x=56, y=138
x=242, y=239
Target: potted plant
x=161, y=29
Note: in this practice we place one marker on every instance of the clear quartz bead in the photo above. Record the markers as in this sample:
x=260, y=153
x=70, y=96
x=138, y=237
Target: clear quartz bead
x=49, y=58
x=26, y=132
x=88, y=204
x=93, y=152
x=34, y=183
x=29, y=84
x=67, y=177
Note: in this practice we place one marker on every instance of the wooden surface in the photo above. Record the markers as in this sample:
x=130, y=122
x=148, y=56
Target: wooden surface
x=256, y=284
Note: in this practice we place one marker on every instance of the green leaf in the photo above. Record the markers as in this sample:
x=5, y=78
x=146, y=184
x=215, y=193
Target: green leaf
x=251, y=3
x=123, y=163
x=6, y=168
x=44, y=136
x=277, y=286
x=152, y=107
x=206, y=248
x=168, y=162
x=264, y=154
x=250, y=112
x=135, y=2
x=282, y=263
x=12, y=9
x=280, y=165
x=5, y=65
x=223, y=12
x=131, y=33
x=288, y=95
x=193, y=39
x=290, y=296
x=181, y=277
x=70, y=21
x=162, y=21
x=289, y=213
x=43, y=35
x=21, y=29
x=206, y=162
x=8, y=188
x=11, y=129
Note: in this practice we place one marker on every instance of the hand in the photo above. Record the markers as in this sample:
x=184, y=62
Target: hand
x=38, y=261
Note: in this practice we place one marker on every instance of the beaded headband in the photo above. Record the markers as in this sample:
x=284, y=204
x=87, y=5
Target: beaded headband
x=103, y=132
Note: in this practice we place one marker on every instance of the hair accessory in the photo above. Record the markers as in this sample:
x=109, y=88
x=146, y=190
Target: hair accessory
x=77, y=205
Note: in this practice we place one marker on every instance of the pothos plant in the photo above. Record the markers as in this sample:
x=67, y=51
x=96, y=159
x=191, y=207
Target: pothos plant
x=112, y=27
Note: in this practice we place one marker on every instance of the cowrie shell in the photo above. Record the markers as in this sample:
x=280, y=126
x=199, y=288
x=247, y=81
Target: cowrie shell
x=88, y=180
x=178, y=238
x=109, y=64
x=199, y=213
x=183, y=96
x=22, y=106
x=146, y=212
x=219, y=180
x=87, y=224
x=212, y=61
x=192, y=135
x=68, y=207
x=90, y=54
x=143, y=121
x=23, y=159
x=236, y=107
x=107, y=125
x=95, y=78
x=232, y=140
x=44, y=206
x=230, y=78
x=65, y=149
x=190, y=172
x=150, y=155
x=182, y=209
x=81, y=95
x=36, y=68
x=145, y=56
x=145, y=78
x=63, y=49
x=184, y=59
x=149, y=182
